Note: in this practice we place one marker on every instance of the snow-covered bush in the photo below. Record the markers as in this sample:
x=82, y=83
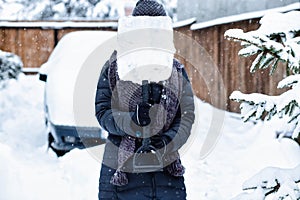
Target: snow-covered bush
x=276, y=40
x=10, y=67
x=71, y=9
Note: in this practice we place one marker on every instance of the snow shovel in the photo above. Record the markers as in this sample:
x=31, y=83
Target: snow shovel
x=147, y=158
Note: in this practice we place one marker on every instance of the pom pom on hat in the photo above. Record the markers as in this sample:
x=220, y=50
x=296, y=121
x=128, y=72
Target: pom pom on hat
x=149, y=8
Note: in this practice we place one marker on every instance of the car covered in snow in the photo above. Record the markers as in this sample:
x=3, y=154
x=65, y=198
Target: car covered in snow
x=60, y=74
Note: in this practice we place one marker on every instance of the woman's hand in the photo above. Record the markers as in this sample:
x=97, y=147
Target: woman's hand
x=160, y=141
x=141, y=114
x=155, y=93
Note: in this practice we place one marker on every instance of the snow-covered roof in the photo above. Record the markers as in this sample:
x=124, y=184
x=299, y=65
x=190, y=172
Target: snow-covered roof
x=184, y=22
x=244, y=16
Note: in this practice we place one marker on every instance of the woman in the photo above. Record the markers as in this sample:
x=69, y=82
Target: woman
x=121, y=111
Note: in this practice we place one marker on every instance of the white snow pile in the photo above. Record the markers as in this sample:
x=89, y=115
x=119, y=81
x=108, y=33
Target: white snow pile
x=70, y=9
x=28, y=171
x=10, y=67
x=276, y=22
x=271, y=179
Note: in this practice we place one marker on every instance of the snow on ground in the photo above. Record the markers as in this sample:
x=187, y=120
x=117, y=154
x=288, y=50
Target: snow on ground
x=29, y=172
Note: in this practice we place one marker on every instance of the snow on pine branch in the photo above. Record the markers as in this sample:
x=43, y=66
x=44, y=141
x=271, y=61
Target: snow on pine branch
x=282, y=182
x=290, y=81
x=272, y=104
x=272, y=42
x=256, y=106
x=253, y=105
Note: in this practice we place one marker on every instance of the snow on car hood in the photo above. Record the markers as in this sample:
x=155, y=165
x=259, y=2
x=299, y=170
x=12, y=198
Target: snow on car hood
x=63, y=69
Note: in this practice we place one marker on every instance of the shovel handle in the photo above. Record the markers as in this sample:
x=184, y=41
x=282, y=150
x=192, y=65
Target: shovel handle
x=146, y=144
x=145, y=91
x=146, y=131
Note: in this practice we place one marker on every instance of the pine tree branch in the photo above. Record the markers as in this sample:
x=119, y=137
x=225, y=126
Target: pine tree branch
x=261, y=47
x=278, y=49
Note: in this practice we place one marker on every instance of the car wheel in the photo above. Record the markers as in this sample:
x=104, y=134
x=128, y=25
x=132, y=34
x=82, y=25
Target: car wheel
x=58, y=152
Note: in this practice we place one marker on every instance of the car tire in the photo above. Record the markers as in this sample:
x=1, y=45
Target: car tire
x=59, y=153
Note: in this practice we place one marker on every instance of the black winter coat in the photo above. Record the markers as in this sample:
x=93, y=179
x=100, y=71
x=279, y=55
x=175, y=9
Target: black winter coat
x=154, y=185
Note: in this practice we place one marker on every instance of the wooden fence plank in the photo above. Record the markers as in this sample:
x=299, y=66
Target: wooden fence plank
x=41, y=43
x=9, y=40
x=32, y=45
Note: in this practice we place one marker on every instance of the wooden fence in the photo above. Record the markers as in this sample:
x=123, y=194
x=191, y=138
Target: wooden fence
x=34, y=42
x=212, y=61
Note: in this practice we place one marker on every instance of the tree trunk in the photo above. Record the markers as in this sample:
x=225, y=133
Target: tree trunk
x=298, y=139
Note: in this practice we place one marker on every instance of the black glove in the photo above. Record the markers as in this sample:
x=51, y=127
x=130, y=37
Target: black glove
x=155, y=93
x=141, y=114
x=160, y=141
